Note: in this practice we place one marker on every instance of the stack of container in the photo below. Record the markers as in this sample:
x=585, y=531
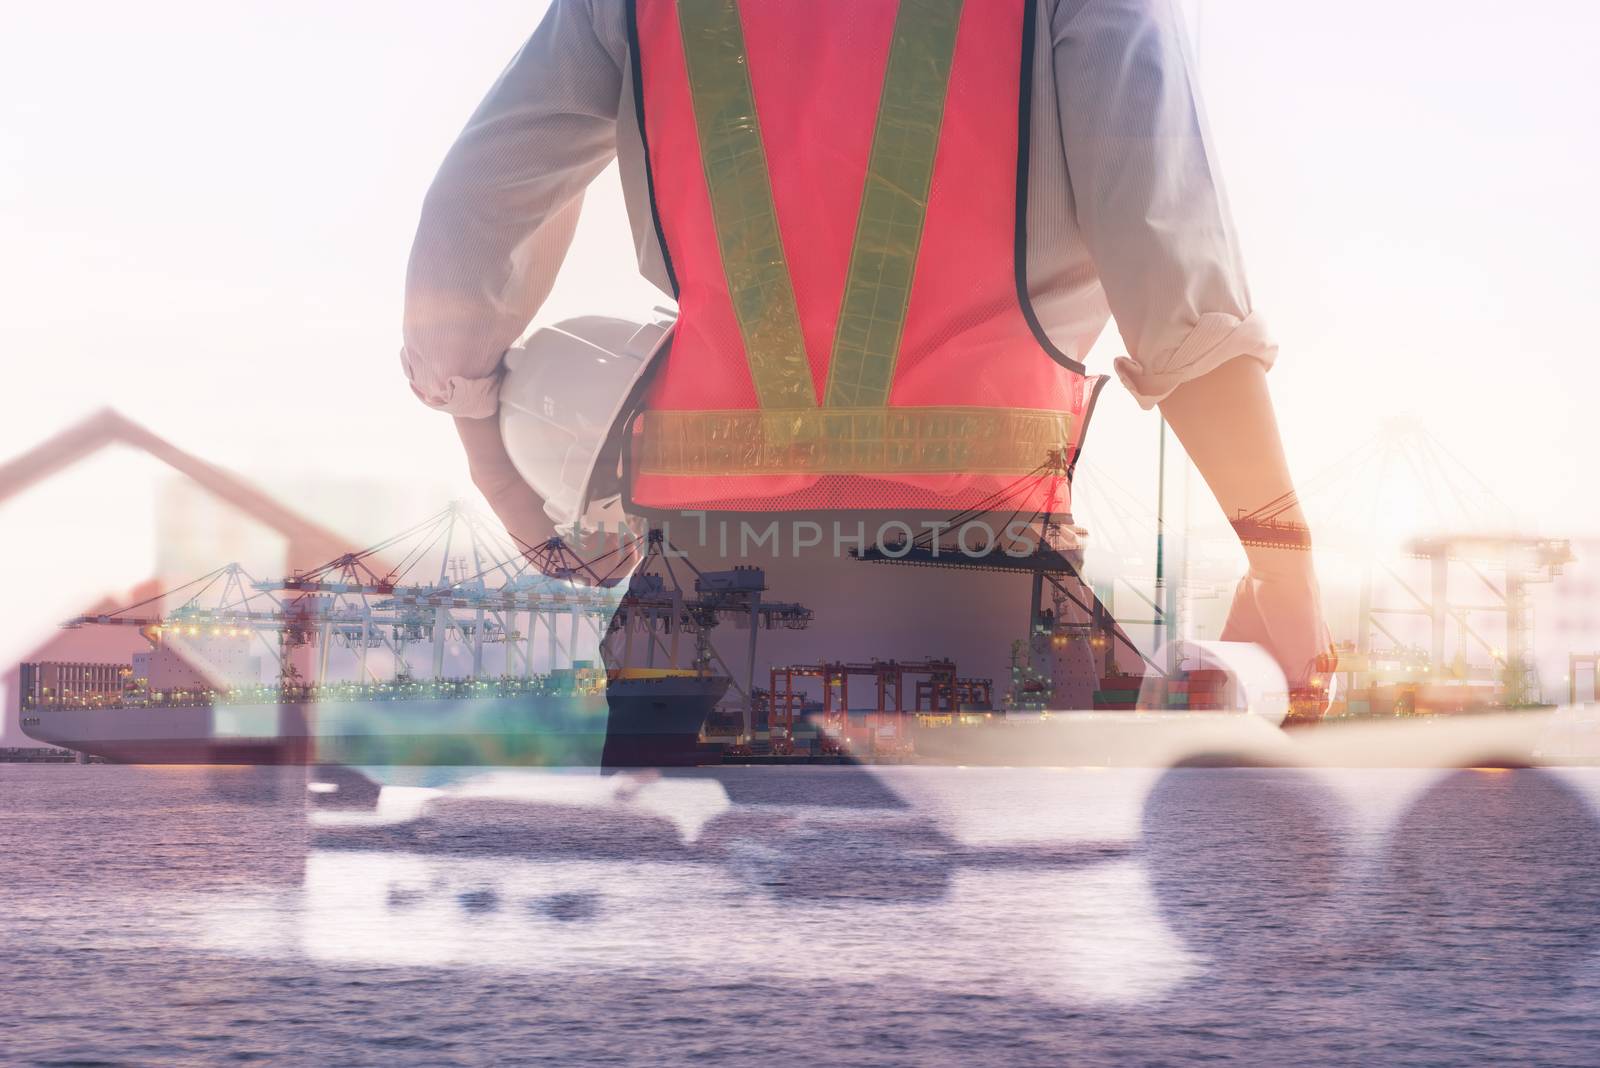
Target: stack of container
x=1118, y=693
x=1202, y=690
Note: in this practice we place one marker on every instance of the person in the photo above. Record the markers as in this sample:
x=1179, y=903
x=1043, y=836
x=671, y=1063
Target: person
x=1026, y=169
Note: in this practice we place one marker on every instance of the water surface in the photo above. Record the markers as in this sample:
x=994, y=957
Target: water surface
x=807, y=915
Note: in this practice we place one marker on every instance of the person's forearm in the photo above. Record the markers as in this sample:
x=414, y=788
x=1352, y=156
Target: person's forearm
x=519, y=509
x=1226, y=423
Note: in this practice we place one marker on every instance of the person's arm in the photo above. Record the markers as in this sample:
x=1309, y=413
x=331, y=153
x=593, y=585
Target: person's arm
x=1149, y=202
x=1227, y=425
x=1147, y=195
x=495, y=227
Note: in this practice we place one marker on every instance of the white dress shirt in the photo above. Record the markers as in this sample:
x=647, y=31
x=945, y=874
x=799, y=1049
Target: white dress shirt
x=1126, y=213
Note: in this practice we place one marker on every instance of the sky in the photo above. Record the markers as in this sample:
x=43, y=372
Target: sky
x=205, y=212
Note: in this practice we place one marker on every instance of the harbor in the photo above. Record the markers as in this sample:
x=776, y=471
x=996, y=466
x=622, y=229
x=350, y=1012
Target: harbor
x=450, y=613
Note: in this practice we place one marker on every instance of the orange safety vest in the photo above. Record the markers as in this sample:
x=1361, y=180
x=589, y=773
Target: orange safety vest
x=839, y=188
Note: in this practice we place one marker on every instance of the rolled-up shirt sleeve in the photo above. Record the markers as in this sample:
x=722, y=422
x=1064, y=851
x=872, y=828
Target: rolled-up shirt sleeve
x=1148, y=196
x=500, y=215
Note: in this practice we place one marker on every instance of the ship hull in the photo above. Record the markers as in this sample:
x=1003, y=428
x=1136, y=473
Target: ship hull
x=1160, y=740
x=1100, y=739
x=634, y=723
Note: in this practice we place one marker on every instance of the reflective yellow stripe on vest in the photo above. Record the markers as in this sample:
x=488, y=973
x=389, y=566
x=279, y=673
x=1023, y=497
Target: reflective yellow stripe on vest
x=894, y=203
x=850, y=441
x=741, y=203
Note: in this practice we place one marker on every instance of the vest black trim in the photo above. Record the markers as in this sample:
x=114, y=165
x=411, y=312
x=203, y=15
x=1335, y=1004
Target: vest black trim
x=1019, y=255
x=635, y=65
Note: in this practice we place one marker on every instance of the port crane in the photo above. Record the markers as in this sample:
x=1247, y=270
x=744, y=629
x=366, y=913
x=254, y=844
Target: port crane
x=1523, y=561
x=936, y=689
x=1498, y=564
x=358, y=602
x=657, y=603
x=482, y=592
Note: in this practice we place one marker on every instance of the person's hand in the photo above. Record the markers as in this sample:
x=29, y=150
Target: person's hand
x=513, y=500
x=1280, y=609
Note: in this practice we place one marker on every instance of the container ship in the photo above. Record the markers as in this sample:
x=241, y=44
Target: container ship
x=579, y=717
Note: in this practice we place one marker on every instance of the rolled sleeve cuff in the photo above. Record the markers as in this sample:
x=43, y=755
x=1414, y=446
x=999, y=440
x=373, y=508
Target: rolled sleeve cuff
x=469, y=398
x=1215, y=339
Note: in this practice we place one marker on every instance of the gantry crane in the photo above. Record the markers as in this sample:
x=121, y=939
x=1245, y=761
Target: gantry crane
x=1525, y=561
x=656, y=599
x=1359, y=486
x=936, y=689
x=357, y=602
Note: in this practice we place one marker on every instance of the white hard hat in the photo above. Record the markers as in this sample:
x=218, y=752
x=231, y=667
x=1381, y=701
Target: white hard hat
x=565, y=400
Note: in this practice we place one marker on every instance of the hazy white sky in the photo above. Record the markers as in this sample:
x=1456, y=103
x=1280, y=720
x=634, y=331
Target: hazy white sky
x=205, y=212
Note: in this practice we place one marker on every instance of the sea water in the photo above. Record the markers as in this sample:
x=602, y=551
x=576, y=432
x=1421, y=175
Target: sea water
x=803, y=915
